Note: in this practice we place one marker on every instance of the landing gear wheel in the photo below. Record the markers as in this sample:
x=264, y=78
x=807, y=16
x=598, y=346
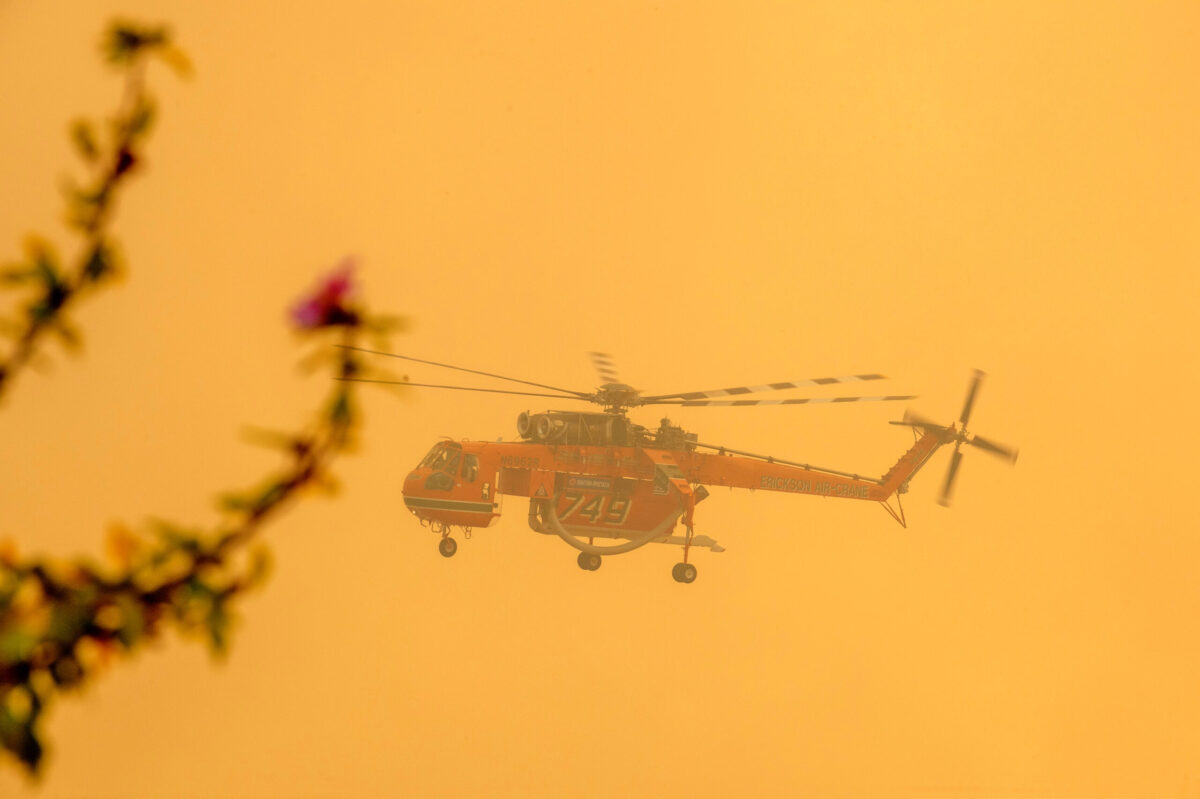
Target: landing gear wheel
x=684, y=573
x=447, y=546
x=588, y=562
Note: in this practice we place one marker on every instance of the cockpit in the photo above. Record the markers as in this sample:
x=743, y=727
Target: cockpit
x=444, y=461
x=453, y=485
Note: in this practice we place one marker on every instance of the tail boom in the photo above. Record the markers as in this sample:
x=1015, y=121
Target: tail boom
x=911, y=462
x=756, y=472
x=734, y=471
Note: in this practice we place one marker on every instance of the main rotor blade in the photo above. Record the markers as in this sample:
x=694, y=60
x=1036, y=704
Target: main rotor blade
x=604, y=367
x=578, y=394
x=944, y=499
x=966, y=411
x=690, y=403
x=728, y=392
x=457, y=388
x=1008, y=453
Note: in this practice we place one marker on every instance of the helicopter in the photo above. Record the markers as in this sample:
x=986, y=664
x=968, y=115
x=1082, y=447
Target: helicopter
x=594, y=477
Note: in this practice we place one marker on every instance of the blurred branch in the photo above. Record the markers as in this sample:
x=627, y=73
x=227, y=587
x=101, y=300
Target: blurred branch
x=62, y=623
x=111, y=159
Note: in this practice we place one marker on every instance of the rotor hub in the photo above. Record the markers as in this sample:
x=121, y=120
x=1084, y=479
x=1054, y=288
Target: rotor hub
x=616, y=396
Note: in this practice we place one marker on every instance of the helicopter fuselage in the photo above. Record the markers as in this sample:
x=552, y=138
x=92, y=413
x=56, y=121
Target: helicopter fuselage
x=613, y=491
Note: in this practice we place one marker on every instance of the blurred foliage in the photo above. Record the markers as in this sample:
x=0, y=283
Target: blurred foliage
x=63, y=622
x=110, y=153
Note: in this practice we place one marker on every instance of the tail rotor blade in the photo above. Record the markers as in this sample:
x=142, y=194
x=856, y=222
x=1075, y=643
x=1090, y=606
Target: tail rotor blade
x=916, y=420
x=966, y=411
x=1008, y=453
x=948, y=486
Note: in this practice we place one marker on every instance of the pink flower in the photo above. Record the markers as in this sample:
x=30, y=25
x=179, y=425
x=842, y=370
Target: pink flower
x=329, y=303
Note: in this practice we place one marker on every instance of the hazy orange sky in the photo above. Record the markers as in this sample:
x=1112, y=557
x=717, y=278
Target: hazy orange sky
x=716, y=194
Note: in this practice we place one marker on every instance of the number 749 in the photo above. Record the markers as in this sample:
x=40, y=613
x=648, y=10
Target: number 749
x=600, y=508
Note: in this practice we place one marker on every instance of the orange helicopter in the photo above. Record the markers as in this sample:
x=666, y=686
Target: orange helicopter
x=599, y=476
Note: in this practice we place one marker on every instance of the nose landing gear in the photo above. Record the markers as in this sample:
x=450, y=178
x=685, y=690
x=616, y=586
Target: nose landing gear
x=588, y=562
x=447, y=545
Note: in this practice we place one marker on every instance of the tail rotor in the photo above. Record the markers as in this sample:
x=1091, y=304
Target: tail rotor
x=958, y=435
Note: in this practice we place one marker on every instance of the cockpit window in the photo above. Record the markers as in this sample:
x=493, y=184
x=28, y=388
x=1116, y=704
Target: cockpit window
x=432, y=456
x=439, y=481
x=443, y=458
x=470, y=469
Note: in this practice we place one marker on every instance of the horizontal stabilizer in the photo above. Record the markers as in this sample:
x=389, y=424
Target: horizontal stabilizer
x=697, y=541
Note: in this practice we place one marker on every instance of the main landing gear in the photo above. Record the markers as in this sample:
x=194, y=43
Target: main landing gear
x=684, y=573
x=588, y=562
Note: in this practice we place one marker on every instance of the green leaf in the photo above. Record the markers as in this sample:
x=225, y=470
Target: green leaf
x=101, y=262
x=10, y=584
x=84, y=205
x=389, y=323
x=341, y=411
x=16, y=645
x=133, y=621
x=44, y=309
x=234, y=503
x=273, y=439
x=218, y=625
x=192, y=602
x=309, y=363
x=68, y=620
x=176, y=537
x=47, y=271
x=259, y=568
x=83, y=136
x=56, y=291
x=17, y=274
x=44, y=260
x=142, y=117
x=176, y=59
x=272, y=494
x=326, y=483
x=67, y=334
x=124, y=41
